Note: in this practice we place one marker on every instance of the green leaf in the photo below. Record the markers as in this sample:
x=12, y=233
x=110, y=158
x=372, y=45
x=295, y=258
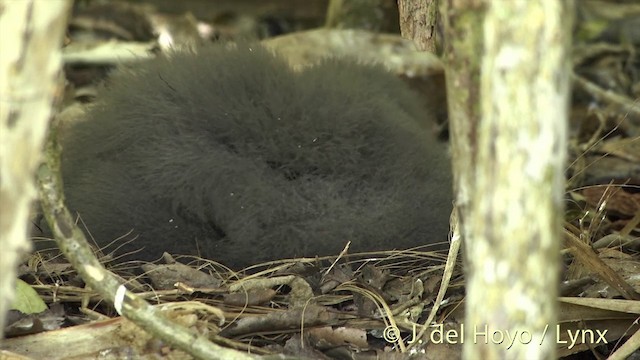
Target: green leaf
x=27, y=299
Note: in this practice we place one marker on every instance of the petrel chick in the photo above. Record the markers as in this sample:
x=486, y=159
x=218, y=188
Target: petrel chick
x=227, y=153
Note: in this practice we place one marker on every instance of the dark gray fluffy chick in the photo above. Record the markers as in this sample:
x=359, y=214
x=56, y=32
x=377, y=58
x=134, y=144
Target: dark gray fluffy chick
x=231, y=155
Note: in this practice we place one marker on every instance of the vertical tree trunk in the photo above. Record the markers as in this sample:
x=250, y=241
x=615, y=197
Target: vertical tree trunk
x=463, y=46
x=509, y=148
x=32, y=34
x=419, y=22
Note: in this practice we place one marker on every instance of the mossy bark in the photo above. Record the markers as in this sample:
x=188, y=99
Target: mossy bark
x=508, y=88
x=29, y=82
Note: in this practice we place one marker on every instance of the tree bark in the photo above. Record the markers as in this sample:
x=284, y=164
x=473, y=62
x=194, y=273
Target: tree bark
x=509, y=150
x=29, y=82
x=419, y=22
